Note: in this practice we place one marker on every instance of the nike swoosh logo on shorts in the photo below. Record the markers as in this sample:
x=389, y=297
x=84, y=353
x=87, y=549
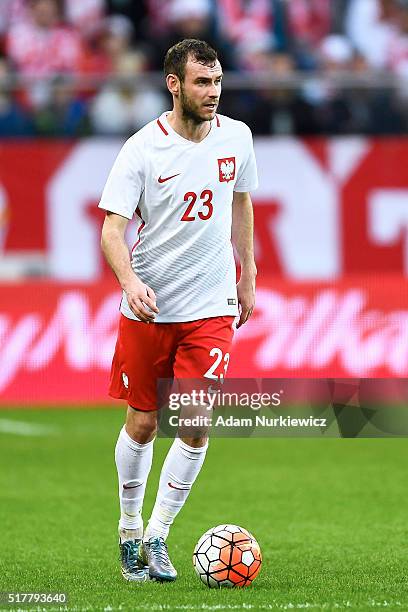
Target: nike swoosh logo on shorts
x=178, y=488
x=163, y=180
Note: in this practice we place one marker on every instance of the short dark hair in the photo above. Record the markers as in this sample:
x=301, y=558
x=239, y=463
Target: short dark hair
x=178, y=55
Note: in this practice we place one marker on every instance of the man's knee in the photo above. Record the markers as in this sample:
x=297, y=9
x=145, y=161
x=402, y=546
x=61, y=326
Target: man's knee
x=141, y=426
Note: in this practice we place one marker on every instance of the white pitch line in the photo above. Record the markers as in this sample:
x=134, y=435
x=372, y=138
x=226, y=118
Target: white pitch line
x=22, y=428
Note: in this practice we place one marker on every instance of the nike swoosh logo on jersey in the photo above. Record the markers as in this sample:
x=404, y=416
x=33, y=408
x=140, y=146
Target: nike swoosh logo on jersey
x=178, y=488
x=163, y=180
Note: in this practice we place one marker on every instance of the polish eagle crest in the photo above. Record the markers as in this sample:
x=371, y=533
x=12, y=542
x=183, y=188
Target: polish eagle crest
x=226, y=167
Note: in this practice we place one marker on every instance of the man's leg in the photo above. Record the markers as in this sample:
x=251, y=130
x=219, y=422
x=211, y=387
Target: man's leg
x=186, y=456
x=142, y=355
x=133, y=457
x=179, y=472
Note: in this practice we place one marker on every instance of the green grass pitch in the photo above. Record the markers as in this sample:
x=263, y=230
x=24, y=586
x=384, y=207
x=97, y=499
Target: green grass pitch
x=330, y=516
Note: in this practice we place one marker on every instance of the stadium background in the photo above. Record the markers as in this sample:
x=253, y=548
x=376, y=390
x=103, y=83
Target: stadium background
x=322, y=85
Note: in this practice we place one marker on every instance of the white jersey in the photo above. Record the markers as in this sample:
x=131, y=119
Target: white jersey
x=182, y=192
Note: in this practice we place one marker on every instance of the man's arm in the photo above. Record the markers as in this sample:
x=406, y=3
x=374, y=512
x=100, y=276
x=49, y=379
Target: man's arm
x=116, y=252
x=243, y=240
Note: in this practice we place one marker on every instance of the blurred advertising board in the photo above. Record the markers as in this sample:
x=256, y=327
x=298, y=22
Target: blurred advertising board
x=57, y=340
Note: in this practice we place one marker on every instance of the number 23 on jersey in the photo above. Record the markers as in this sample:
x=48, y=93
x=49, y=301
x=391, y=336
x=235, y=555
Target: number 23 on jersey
x=203, y=210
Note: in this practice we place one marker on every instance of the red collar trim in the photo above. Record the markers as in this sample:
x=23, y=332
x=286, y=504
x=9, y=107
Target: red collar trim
x=161, y=126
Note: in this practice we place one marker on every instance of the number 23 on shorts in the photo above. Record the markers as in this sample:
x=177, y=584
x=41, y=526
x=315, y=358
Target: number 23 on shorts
x=220, y=362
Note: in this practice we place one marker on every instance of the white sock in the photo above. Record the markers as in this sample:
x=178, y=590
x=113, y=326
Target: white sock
x=133, y=462
x=180, y=469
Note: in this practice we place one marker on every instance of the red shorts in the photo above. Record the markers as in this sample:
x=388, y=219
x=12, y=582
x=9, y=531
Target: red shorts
x=146, y=352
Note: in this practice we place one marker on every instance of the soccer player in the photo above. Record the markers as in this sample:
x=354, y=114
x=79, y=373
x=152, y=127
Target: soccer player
x=187, y=176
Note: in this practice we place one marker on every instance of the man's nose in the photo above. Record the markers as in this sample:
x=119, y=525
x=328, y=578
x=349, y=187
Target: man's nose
x=214, y=91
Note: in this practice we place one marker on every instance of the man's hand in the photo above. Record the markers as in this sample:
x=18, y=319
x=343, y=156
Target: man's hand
x=246, y=297
x=139, y=296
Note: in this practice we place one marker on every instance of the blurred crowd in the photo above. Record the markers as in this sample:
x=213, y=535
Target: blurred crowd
x=80, y=67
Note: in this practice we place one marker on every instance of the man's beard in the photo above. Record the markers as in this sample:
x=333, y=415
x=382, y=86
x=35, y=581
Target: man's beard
x=189, y=109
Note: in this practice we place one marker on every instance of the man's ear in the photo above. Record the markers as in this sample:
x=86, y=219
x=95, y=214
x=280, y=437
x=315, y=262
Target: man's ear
x=173, y=84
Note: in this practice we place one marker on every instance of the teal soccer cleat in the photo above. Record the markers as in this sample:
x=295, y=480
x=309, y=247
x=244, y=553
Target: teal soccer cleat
x=155, y=555
x=131, y=567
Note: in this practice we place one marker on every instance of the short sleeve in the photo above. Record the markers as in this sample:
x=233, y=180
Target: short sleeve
x=247, y=176
x=125, y=182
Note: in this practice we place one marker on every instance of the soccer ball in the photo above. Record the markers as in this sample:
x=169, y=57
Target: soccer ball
x=228, y=556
